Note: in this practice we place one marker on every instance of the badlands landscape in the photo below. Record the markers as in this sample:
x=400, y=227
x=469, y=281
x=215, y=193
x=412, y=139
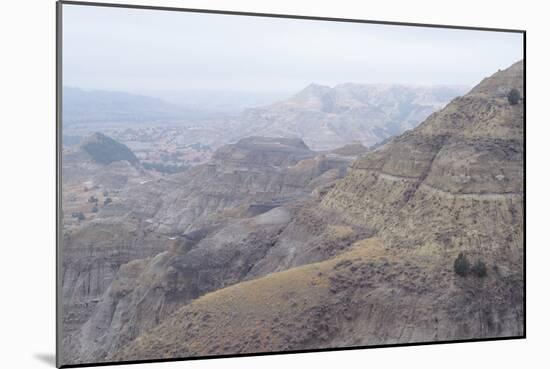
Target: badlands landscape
x=342, y=216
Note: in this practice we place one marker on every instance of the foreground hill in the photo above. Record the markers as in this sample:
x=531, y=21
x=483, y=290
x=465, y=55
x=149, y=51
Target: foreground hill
x=367, y=296
x=455, y=181
x=404, y=212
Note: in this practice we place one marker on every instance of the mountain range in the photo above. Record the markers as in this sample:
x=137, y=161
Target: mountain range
x=327, y=118
x=103, y=107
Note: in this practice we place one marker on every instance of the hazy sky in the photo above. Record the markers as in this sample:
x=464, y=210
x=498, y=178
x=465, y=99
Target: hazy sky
x=140, y=50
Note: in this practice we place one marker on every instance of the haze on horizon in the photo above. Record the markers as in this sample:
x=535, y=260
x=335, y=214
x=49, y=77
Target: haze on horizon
x=144, y=51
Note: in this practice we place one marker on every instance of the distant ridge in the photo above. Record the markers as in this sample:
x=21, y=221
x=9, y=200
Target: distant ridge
x=99, y=106
x=327, y=118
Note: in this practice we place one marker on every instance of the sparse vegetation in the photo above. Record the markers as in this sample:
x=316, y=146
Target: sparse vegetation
x=513, y=96
x=78, y=215
x=462, y=265
x=94, y=209
x=165, y=168
x=107, y=201
x=105, y=193
x=93, y=199
x=479, y=269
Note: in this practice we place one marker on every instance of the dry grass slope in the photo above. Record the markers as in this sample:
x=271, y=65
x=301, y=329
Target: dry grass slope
x=368, y=295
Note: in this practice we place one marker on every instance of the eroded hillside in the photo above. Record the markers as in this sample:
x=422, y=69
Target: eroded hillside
x=453, y=185
x=272, y=246
x=208, y=224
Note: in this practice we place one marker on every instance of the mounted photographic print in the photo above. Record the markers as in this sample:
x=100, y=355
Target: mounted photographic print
x=238, y=184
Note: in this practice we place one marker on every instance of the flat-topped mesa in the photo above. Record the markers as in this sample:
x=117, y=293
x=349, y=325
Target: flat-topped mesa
x=281, y=144
x=253, y=170
x=355, y=148
x=263, y=151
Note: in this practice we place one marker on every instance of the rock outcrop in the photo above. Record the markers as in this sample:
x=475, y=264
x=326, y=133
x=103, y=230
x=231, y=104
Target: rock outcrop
x=455, y=181
x=254, y=170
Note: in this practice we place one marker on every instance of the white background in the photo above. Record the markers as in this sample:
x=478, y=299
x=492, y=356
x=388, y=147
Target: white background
x=27, y=183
